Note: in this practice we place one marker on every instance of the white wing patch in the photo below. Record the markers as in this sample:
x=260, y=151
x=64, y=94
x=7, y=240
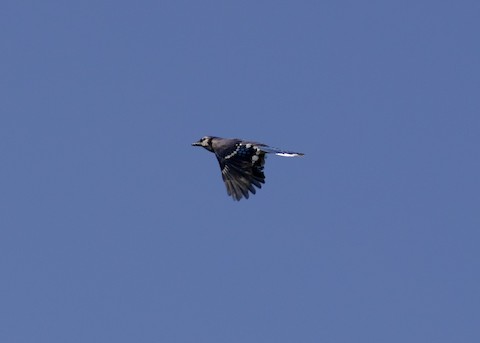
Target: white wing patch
x=234, y=152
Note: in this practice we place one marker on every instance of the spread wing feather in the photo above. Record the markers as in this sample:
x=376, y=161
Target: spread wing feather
x=242, y=169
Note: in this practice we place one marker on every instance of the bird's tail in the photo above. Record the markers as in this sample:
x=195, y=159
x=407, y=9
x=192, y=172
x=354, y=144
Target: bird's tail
x=280, y=152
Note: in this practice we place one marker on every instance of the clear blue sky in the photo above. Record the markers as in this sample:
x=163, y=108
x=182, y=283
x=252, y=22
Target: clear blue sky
x=114, y=229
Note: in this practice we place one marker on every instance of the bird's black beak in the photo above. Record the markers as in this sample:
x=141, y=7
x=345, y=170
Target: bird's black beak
x=197, y=144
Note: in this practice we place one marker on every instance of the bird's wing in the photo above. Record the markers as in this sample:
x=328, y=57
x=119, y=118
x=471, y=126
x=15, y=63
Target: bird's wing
x=242, y=169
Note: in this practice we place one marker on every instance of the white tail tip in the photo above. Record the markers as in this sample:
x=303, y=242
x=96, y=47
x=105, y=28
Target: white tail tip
x=288, y=154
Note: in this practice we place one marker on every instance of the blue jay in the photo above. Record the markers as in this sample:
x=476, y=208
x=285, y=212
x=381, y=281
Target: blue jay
x=241, y=162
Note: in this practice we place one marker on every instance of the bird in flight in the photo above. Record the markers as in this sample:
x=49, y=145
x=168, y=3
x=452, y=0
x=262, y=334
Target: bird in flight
x=241, y=162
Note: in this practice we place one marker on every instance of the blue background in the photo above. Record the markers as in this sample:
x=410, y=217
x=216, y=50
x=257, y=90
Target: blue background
x=114, y=229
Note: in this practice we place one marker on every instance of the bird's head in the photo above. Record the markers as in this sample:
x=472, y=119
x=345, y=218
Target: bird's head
x=205, y=142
